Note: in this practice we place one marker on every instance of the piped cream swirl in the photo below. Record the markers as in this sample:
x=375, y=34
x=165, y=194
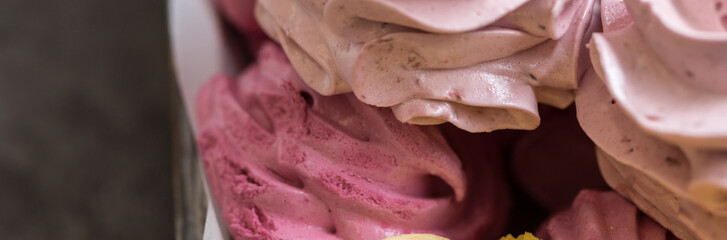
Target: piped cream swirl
x=480, y=64
x=662, y=65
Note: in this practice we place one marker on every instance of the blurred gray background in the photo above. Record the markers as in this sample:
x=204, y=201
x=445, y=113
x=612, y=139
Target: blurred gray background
x=85, y=120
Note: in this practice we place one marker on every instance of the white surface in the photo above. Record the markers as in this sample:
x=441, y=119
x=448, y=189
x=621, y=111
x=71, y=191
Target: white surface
x=212, y=229
x=198, y=47
x=199, y=52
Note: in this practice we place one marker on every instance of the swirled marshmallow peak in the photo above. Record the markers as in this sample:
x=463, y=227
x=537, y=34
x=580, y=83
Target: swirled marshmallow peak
x=480, y=64
x=662, y=66
x=666, y=71
x=287, y=163
x=668, y=76
x=652, y=173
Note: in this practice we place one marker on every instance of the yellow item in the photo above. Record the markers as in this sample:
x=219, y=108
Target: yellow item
x=416, y=237
x=526, y=236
